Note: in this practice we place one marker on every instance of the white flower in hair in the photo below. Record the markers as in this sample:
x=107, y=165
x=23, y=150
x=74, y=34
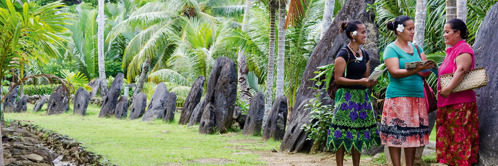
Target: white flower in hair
x=355, y=32
x=400, y=28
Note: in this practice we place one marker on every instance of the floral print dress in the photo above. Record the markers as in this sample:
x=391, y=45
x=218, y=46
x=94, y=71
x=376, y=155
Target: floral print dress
x=354, y=121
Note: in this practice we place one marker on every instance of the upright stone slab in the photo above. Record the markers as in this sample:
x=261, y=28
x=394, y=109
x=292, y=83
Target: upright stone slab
x=254, y=119
x=9, y=104
x=208, y=121
x=193, y=98
x=138, y=106
x=170, y=107
x=81, y=101
x=96, y=84
x=275, y=126
x=157, y=103
x=39, y=103
x=323, y=54
x=21, y=105
x=111, y=99
x=58, y=101
x=122, y=108
x=195, y=118
x=486, y=55
x=222, y=92
x=295, y=137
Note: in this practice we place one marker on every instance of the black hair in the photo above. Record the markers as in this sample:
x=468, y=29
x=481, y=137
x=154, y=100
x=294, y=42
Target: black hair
x=458, y=25
x=392, y=25
x=349, y=27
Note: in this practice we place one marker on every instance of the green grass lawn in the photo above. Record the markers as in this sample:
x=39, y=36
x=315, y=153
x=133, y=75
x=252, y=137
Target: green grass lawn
x=133, y=142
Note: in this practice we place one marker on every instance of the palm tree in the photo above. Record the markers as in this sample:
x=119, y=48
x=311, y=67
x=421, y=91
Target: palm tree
x=451, y=10
x=172, y=30
x=420, y=15
x=28, y=35
x=281, y=48
x=241, y=59
x=328, y=14
x=462, y=10
x=101, y=18
x=273, y=4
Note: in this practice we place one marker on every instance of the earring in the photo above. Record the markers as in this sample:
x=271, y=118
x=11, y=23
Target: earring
x=354, y=40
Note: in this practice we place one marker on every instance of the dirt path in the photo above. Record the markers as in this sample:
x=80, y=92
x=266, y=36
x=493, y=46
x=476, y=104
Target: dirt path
x=274, y=157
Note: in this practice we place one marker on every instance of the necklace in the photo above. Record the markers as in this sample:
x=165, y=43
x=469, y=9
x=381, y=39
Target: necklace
x=355, y=53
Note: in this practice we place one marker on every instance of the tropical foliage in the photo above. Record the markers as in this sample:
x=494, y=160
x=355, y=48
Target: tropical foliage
x=180, y=39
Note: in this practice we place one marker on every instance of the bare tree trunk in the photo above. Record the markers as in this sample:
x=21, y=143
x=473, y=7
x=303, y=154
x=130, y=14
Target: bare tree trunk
x=328, y=14
x=420, y=17
x=271, y=59
x=281, y=49
x=1, y=123
x=462, y=10
x=245, y=95
x=100, y=38
x=143, y=76
x=450, y=10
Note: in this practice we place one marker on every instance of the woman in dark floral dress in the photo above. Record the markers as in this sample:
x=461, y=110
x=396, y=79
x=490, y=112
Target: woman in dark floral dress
x=354, y=123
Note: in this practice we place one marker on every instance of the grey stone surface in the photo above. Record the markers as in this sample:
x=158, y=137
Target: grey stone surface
x=222, y=92
x=81, y=101
x=122, y=108
x=39, y=104
x=277, y=120
x=138, y=106
x=486, y=55
x=254, y=119
x=170, y=107
x=157, y=103
x=9, y=105
x=193, y=98
x=196, y=115
x=323, y=54
x=295, y=137
x=208, y=121
x=58, y=101
x=21, y=105
x=111, y=99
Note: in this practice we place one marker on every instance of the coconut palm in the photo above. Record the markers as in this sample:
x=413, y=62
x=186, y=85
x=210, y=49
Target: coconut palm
x=451, y=9
x=461, y=10
x=273, y=4
x=172, y=30
x=29, y=33
x=420, y=15
x=328, y=14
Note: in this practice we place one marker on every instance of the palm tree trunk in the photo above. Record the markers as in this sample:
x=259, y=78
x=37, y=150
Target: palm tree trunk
x=1, y=122
x=241, y=60
x=143, y=77
x=420, y=16
x=281, y=49
x=328, y=14
x=271, y=59
x=450, y=10
x=462, y=10
x=100, y=37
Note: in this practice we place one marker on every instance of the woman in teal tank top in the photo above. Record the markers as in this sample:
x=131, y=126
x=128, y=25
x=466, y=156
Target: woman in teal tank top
x=405, y=121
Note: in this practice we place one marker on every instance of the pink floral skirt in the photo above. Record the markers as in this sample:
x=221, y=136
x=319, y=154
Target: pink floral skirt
x=457, y=141
x=405, y=122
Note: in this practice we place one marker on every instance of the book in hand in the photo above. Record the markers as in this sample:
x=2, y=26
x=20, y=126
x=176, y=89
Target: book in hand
x=413, y=65
x=376, y=74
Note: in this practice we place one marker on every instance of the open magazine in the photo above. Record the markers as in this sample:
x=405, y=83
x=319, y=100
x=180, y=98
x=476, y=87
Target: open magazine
x=413, y=65
x=376, y=74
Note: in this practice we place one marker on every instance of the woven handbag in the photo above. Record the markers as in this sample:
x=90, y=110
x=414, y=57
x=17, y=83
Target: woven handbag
x=473, y=79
